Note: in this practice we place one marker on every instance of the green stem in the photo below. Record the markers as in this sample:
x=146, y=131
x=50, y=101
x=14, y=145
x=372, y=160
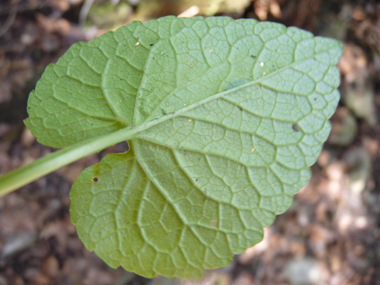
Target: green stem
x=28, y=173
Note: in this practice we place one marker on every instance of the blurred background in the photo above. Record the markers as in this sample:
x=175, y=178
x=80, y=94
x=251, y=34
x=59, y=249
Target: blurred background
x=331, y=234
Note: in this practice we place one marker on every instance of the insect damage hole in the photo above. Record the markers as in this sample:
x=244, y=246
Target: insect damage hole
x=214, y=223
x=95, y=179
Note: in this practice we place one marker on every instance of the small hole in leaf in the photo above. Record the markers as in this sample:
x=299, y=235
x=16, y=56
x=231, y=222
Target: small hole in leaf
x=121, y=147
x=95, y=179
x=214, y=223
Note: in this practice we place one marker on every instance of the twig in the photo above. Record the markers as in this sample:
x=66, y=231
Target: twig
x=10, y=20
x=84, y=12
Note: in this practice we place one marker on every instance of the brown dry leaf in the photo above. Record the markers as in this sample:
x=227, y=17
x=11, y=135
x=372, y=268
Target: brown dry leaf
x=275, y=9
x=50, y=267
x=372, y=146
x=263, y=7
x=358, y=14
x=27, y=139
x=62, y=5
x=60, y=26
x=297, y=247
x=366, y=26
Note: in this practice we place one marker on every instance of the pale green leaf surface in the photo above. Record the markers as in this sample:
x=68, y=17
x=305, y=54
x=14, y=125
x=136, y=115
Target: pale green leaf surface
x=235, y=113
x=91, y=90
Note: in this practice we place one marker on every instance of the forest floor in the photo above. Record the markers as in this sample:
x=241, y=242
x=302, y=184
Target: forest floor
x=330, y=235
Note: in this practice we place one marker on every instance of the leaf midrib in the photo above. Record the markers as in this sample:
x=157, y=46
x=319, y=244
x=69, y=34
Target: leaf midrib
x=133, y=130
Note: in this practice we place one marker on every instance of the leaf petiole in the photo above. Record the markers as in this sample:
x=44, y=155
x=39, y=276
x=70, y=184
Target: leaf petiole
x=47, y=164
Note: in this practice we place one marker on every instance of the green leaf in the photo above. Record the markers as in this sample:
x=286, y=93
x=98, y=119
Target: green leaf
x=224, y=118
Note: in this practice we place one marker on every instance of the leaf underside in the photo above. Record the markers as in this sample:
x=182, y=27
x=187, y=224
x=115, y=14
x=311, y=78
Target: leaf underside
x=241, y=110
